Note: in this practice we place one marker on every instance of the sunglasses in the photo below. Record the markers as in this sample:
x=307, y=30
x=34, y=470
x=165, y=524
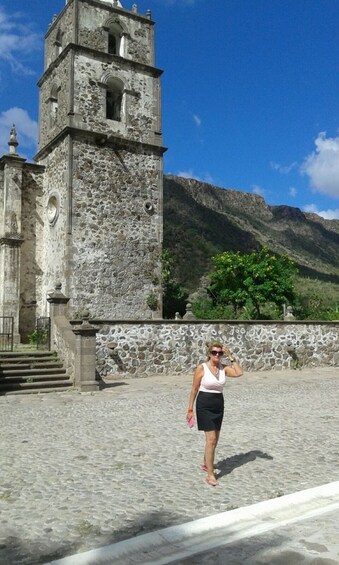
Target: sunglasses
x=220, y=353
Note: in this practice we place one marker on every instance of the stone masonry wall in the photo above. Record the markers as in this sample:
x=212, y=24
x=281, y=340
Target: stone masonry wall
x=55, y=262
x=116, y=239
x=61, y=29
x=139, y=119
x=93, y=18
x=58, y=79
x=138, y=349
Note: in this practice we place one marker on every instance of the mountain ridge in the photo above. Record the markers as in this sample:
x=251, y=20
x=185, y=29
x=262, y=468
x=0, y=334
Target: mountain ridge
x=202, y=220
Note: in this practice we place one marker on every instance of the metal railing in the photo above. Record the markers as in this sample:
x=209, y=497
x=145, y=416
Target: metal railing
x=6, y=333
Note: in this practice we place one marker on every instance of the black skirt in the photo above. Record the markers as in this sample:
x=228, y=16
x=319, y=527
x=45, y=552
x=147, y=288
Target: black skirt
x=210, y=410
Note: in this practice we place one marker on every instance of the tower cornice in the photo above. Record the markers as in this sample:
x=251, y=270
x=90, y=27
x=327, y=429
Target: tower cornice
x=100, y=139
x=104, y=57
x=110, y=9
x=11, y=159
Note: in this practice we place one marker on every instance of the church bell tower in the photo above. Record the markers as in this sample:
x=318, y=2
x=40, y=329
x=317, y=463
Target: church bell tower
x=101, y=148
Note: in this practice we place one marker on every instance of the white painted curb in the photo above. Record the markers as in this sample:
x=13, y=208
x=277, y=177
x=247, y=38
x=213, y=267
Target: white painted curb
x=177, y=542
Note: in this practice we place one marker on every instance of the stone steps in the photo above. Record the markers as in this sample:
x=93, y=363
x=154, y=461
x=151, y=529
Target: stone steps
x=32, y=372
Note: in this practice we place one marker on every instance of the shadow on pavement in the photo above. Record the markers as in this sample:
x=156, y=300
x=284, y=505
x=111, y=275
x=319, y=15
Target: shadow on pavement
x=226, y=466
x=16, y=551
x=110, y=384
x=271, y=548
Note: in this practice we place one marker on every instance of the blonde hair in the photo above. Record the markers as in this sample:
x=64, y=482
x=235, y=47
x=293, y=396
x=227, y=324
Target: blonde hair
x=210, y=345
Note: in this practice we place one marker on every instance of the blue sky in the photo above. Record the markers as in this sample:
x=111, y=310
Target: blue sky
x=250, y=91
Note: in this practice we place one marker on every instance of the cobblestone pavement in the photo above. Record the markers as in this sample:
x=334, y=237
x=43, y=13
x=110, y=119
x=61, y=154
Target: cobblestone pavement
x=83, y=470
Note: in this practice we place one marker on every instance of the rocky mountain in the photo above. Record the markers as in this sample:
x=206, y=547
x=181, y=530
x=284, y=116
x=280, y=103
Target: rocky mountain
x=201, y=220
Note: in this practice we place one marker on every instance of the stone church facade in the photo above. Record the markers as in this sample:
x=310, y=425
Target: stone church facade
x=88, y=212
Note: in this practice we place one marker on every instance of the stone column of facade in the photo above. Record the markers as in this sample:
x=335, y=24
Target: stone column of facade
x=11, y=167
x=85, y=356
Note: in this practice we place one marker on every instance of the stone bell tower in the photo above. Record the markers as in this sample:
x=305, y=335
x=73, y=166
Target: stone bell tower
x=101, y=149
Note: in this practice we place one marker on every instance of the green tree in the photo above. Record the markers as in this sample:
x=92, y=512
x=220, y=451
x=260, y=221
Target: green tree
x=252, y=280
x=174, y=296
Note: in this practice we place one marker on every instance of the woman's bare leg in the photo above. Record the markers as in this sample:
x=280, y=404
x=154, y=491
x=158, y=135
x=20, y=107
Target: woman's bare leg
x=216, y=443
x=217, y=437
x=211, y=440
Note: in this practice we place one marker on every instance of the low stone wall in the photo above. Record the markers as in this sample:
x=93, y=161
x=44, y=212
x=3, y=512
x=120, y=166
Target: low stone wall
x=63, y=340
x=136, y=348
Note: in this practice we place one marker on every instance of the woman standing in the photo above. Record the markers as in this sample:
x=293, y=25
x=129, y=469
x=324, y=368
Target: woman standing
x=208, y=383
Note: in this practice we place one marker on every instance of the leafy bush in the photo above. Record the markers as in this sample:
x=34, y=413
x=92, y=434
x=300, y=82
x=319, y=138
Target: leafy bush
x=37, y=335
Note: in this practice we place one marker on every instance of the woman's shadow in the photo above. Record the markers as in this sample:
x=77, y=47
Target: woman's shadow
x=226, y=466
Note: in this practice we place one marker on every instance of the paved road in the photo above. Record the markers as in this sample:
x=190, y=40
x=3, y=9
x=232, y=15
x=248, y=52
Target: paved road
x=83, y=470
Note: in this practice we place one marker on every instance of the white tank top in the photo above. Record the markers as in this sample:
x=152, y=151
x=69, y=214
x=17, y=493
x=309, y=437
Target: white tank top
x=210, y=383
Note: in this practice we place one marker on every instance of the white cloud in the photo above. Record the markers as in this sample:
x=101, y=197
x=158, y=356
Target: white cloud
x=26, y=128
x=327, y=214
x=187, y=174
x=206, y=177
x=292, y=191
x=256, y=189
x=197, y=120
x=322, y=166
x=283, y=169
x=18, y=41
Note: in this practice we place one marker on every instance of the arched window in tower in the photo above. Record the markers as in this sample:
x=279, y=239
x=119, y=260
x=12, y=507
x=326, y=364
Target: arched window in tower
x=115, y=38
x=53, y=105
x=58, y=43
x=114, y=99
x=113, y=43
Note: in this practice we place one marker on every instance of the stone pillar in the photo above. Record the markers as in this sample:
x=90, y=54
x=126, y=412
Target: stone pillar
x=85, y=356
x=58, y=308
x=10, y=287
x=11, y=168
x=58, y=302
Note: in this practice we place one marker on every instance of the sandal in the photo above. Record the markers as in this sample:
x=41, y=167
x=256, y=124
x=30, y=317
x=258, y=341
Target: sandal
x=211, y=482
x=203, y=467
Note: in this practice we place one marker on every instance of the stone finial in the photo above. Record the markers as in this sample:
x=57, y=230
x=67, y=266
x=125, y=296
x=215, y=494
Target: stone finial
x=289, y=313
x=57, y=297
x=85, y=315
x=148, y=14
x=189, y=314
x=13, y=143
x=134, y=8
x=177, y=316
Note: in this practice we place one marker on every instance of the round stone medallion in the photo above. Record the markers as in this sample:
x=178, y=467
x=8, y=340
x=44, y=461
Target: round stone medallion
x=53, y=207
